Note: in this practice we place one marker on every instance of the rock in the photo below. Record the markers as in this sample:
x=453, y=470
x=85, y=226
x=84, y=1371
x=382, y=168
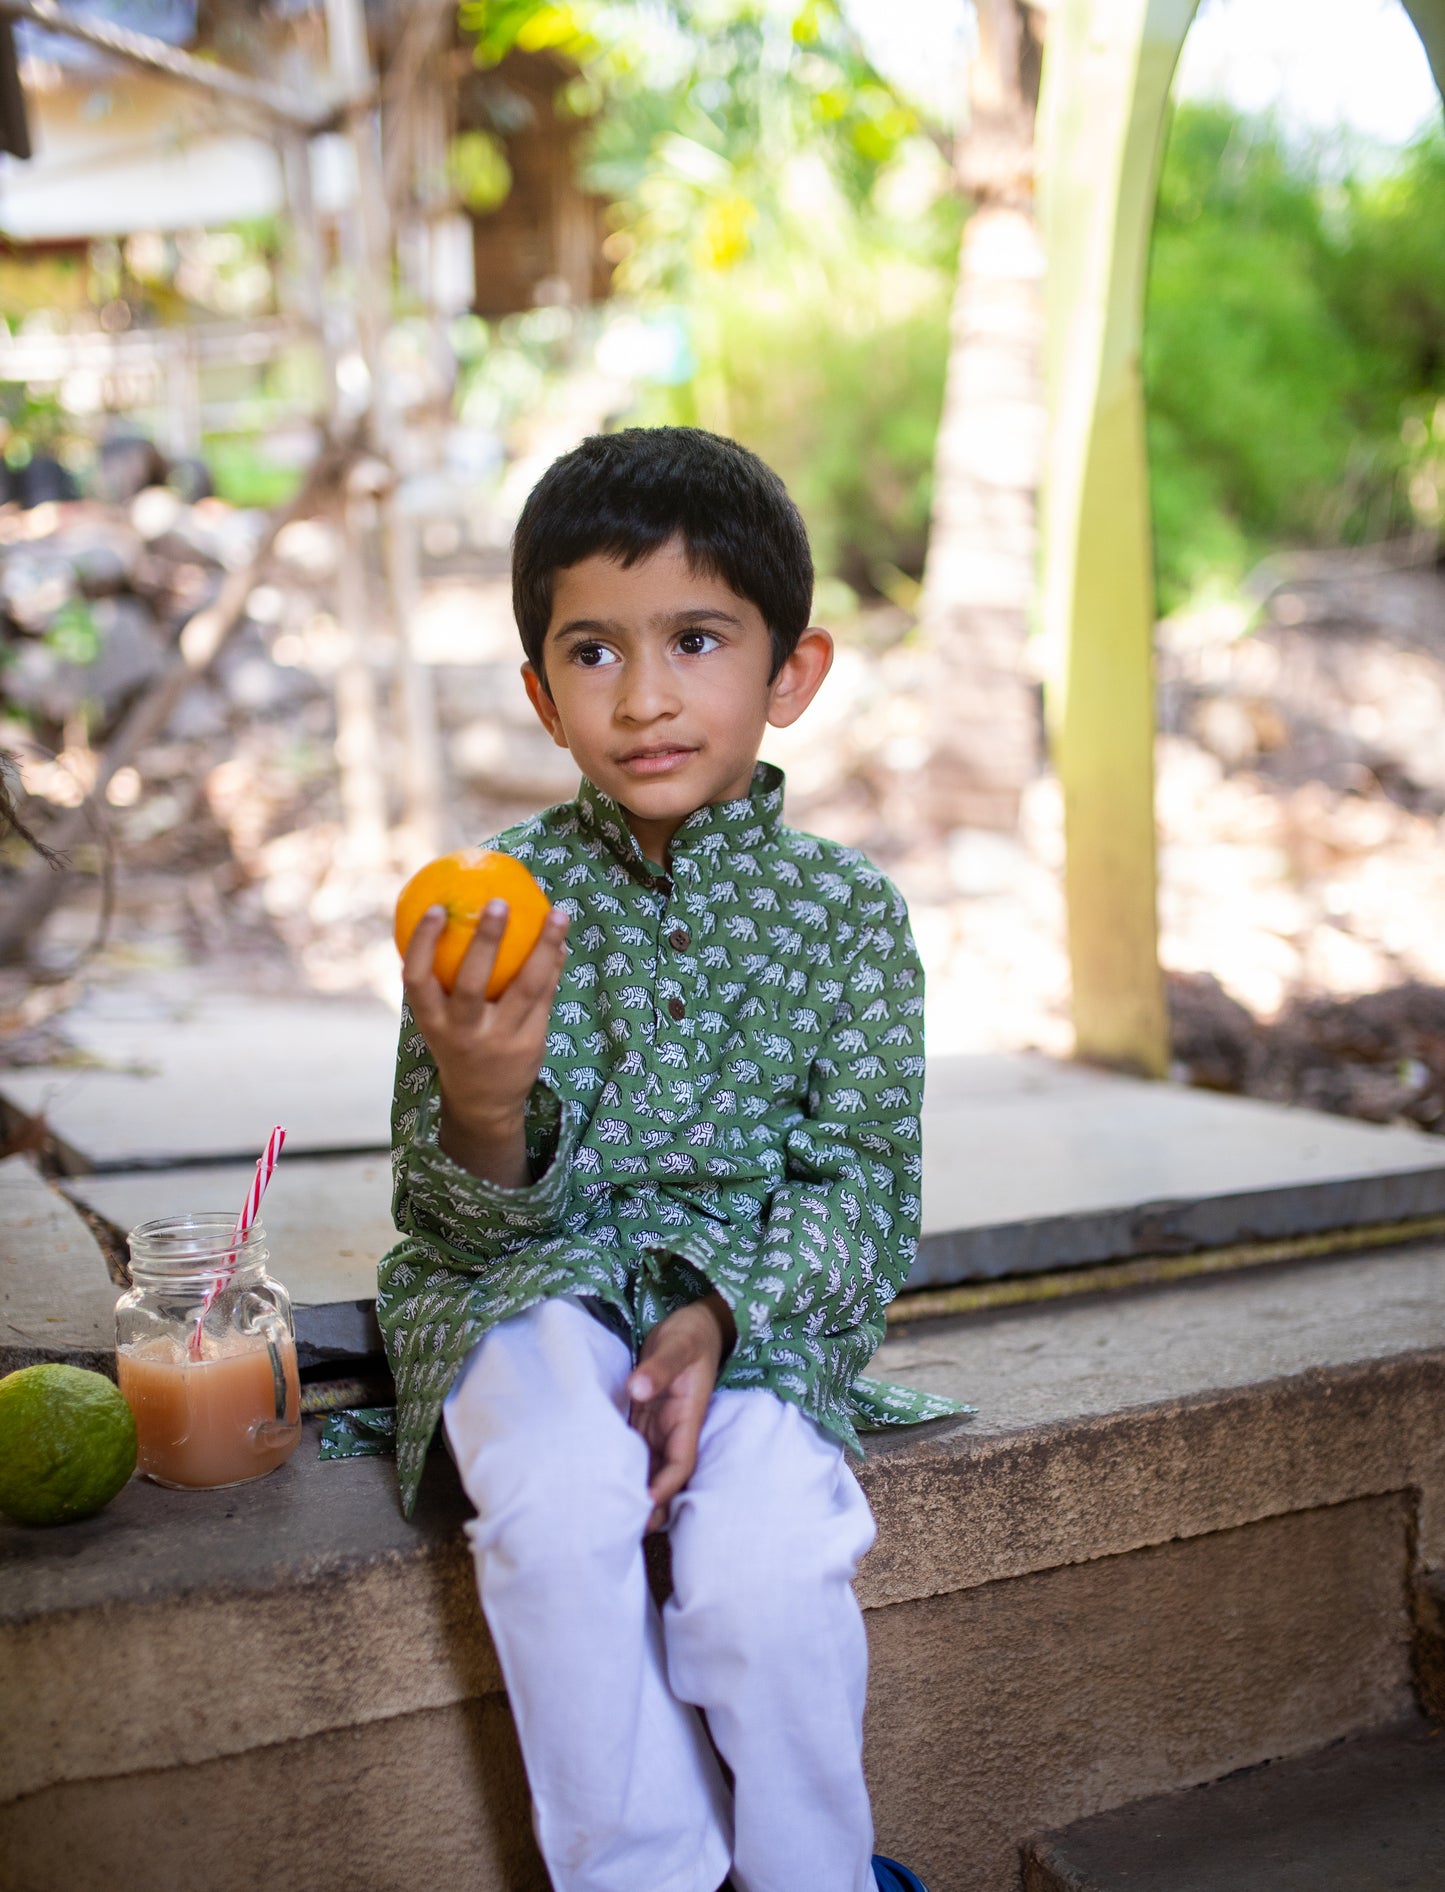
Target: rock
x=1212, y=1037
x=155, y=511
x=208, y=533
x=191, y=478
x=200, y=716
x=252, y=679
x=132, y=649
x=43, y=480
x=235, y=533
x=128, y=463
x=130, y=653
x=101, y=551
x=36, y=582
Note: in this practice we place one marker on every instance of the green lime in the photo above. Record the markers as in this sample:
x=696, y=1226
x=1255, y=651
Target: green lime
x=67, y=1443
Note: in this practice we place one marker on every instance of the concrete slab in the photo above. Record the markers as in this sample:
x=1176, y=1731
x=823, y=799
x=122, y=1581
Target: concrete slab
x=1030, y=1164
x=189, y=1075
x=986, y=1709
x=328, y=1219
x=1163, y=1413
x=154, y=1546
x=57, y=1300
x=1366, y=1813
x=1032, y=1367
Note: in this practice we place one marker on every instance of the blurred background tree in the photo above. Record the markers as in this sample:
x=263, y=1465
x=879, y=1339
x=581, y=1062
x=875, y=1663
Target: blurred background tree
x=793, y=220
x=779, y=206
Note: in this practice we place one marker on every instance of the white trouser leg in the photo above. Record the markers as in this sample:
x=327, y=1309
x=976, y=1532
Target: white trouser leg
x=627, y=1795
x=765, y=1635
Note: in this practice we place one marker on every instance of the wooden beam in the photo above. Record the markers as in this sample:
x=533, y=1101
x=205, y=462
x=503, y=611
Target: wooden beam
x=154, y=55
x=1107, y=71
x=1108, y=66
x=1429, y=21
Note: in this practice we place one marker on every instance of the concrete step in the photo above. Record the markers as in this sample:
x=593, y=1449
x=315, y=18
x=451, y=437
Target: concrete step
x=1363, y=1816
x=174, y=1071
x=328, y=1219
x=1177, y=1540
x=57, y=1299
x=328, y=1222
x=1029, y=1164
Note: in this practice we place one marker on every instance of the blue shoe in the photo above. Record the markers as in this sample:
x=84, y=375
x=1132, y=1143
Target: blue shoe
x=892, y=1877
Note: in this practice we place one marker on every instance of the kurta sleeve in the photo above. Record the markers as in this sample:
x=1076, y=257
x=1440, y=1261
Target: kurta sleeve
x=841, y=1230
x=470, y=1222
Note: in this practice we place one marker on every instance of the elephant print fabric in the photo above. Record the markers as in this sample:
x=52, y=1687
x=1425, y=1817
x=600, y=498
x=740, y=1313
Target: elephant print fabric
x=730, y=1101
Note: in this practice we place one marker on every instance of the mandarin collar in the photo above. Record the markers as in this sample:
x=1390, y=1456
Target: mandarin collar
x=710, y=832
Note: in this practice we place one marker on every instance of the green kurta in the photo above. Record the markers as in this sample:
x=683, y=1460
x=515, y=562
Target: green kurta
x=730, y=1101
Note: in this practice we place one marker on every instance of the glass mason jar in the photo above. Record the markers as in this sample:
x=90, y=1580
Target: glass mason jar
x=206, y=1353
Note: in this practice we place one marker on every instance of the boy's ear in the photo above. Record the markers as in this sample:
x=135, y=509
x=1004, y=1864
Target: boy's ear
x=797, y=683
x=541, y=702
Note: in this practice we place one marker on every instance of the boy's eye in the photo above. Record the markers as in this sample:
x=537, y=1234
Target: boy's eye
x=696, y=643
x=592, y=656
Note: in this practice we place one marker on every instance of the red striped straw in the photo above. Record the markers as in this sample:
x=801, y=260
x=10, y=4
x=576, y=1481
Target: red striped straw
x=250, y=1209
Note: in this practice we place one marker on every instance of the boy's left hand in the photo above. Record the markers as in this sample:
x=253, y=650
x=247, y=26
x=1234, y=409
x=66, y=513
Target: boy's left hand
x=670, y=1388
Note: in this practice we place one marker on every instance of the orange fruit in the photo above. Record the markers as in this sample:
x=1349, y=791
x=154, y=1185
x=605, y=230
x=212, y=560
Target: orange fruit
x=463, y=883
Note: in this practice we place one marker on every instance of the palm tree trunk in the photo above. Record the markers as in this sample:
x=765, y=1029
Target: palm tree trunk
x=979, y=578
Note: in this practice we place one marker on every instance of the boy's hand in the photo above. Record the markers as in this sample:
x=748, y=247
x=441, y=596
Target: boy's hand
x=670, y=1388
x=488, y=1051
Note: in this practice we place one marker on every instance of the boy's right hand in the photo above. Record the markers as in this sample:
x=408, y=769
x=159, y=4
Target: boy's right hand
x=488, y=1051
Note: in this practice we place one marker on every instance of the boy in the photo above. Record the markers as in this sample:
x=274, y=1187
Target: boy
x=654, y=1200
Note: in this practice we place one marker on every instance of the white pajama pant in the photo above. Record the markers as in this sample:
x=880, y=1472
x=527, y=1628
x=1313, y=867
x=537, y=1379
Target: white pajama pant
x=762, y=1632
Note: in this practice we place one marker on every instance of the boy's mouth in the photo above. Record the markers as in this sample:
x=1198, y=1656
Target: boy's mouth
x=656, y=759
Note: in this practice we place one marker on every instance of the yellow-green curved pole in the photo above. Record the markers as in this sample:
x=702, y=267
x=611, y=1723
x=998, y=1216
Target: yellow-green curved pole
x=1107, y=72
x=1429, y=19
x=1108, y=65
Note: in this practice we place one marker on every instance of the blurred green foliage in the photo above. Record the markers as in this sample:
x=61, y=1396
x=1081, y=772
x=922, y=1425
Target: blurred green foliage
x=73, y=633
x=480, y=173
x=243, y=474
x=775, y=202
x=835, y=376
x=1294, y=348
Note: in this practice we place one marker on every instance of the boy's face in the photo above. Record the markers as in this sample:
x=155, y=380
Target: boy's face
x=657, y=681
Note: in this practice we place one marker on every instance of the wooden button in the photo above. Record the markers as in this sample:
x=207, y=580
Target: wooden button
x=680, y=938
x=677, y=1008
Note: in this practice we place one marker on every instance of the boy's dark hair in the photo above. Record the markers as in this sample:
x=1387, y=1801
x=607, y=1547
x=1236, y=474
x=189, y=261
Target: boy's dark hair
x=624, y=495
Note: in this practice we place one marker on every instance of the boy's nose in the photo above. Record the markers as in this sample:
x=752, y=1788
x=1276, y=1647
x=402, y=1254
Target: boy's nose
x=648, y=692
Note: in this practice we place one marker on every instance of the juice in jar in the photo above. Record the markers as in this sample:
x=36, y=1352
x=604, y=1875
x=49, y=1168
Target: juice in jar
x=210, y=1421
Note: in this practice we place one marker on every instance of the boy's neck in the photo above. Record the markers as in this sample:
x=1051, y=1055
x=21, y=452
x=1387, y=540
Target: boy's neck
x=654, y=837
x=653, y=833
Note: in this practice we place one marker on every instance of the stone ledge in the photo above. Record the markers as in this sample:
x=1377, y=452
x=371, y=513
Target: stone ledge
x=57, y=1301
x=993, y=1712
x=434, y=1798
x=317, y=1606
x=1017, y=1707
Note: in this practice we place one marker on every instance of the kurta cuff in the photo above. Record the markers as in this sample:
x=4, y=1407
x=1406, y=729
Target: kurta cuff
x=476, y=1219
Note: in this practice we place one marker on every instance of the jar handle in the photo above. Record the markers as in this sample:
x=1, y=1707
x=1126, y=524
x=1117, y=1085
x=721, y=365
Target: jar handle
x=256, y=1314
x=274, y=1331
x=278, y=1369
